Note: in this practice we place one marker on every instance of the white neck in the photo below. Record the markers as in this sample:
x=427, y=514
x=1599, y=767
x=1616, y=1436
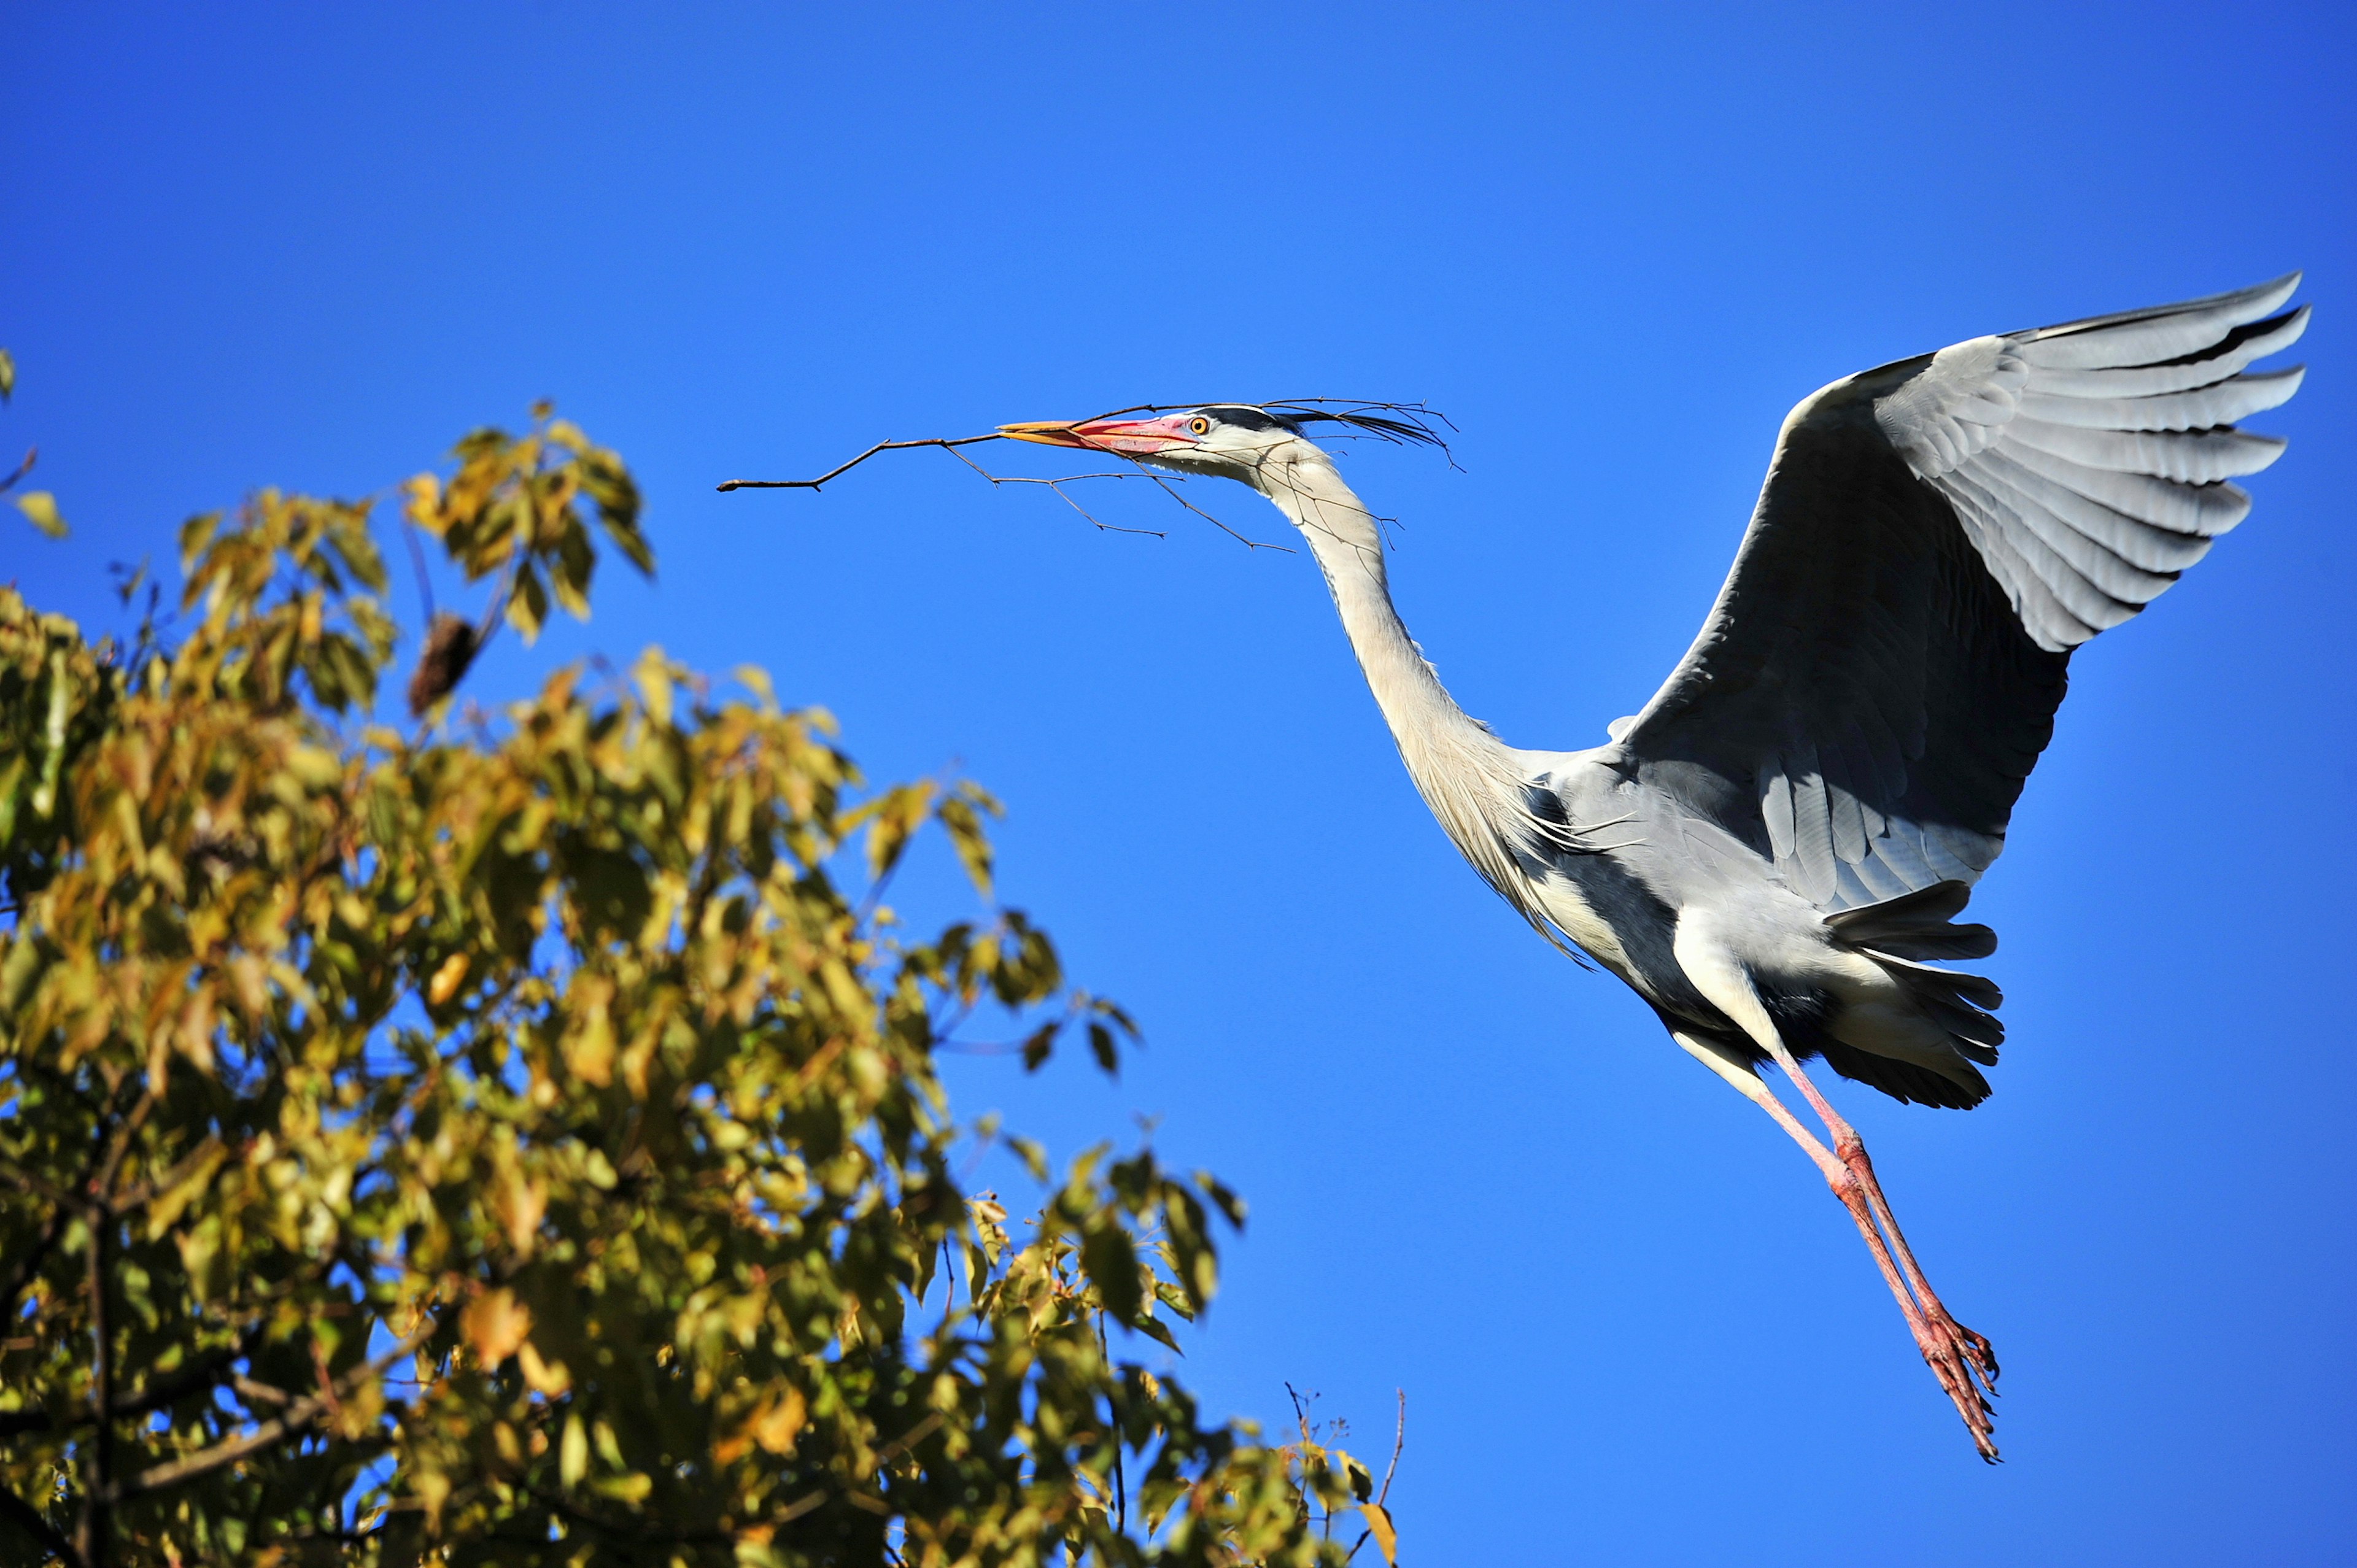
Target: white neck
x=1468, y=776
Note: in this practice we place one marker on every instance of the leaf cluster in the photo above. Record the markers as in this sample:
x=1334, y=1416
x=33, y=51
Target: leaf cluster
x=522, y=1142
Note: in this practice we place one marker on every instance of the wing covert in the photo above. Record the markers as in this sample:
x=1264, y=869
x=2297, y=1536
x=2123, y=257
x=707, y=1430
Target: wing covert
x=1880, y=672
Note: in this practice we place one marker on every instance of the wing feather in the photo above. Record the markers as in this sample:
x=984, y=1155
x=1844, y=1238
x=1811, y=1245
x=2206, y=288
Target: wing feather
x=2239, y=348
x=2194, y=457
x=1881, y=671
x=2139, y=543
x=2201, y=408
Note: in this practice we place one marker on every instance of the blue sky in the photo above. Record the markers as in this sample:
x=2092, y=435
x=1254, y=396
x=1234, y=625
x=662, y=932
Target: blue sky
x=310, y=245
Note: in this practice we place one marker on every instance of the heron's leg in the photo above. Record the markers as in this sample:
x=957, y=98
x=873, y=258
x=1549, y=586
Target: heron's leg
x=1946, y=1345
x=1837, y=1174
x=1851, y=1148
x=1957, y=1356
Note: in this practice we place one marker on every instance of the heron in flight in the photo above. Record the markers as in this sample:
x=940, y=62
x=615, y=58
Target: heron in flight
x=1774, y=852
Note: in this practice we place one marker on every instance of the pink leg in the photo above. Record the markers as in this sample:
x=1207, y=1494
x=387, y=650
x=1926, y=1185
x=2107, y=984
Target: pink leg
x=1964, y=1361
x=1936, y=1336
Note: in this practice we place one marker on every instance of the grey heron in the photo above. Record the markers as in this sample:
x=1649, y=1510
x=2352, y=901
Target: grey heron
x=1772, y=854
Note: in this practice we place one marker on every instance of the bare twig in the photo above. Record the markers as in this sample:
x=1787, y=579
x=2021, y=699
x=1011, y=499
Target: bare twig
x=1120, y=1478
x=97, y=1523
x=300, y=1413
x=846, y=467
x=1401, y=424
x=1382, y=1498
x=884, y=1456
x=205, y=1371
x=32, y=453
x=1399, y=1442
x=141, y=1194
x=62, y=1205
x=1216, y=522
x=27, y=1517
x=1058, y=486
x=94, y=1529
x=253, y=1393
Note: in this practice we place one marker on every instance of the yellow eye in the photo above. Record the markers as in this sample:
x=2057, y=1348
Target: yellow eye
x=1200, y=425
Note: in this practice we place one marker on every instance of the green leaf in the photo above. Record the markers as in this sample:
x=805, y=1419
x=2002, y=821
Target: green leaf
x=1111, y=1260
x=41, y=509
x=7, y=375
x=573, y=1452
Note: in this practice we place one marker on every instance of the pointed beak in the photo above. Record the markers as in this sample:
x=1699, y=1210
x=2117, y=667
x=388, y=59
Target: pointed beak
x=1130, y=437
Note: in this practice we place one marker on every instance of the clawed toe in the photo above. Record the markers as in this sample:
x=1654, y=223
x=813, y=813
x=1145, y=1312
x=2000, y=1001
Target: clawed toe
x=1966, y=1368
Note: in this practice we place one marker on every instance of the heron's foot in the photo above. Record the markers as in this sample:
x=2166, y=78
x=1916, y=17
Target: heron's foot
x=1966, y=1368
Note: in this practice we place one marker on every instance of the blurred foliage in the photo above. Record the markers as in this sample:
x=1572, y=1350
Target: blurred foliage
x=521, y=1142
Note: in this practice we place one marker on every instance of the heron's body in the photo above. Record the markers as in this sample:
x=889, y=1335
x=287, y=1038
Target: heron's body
x=1592, y=845
x=1770, y=854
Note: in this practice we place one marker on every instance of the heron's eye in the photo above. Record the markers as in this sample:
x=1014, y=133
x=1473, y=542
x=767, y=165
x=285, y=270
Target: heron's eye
x=1200, y=425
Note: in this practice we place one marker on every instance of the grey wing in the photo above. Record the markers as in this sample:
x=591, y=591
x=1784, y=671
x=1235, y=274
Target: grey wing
x=1881, y=671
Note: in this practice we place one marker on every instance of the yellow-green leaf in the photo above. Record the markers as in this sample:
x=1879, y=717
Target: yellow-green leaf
x=41, y=509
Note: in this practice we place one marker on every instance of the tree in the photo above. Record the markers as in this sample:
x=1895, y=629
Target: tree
x=520, y=1140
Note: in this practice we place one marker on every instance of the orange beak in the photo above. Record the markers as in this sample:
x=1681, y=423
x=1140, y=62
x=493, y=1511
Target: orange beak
x=1129, y=437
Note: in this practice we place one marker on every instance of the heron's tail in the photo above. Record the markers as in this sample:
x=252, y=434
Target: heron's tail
x=1901, y=935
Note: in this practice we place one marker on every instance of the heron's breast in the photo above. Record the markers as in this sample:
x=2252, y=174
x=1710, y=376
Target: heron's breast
x=1567, y=904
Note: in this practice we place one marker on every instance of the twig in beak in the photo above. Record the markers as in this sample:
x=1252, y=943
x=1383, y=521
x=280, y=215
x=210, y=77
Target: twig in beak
x=831, y=473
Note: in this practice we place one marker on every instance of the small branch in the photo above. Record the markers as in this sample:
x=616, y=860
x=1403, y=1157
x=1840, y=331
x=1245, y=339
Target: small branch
x=24, y=1269
x=37, y=1187
x=97, y=1522
x=417, y=565
x=299, y=1414
x=884, y=1456
x=200, y=1374
x=144, y=1193
x=950, y=444
x=1399, y=1441
x=910, y=1438
x=256, y=1393
x=1058, y=486
x=1216, y=522
x=27, y=1517
x=23, y=469
x=846, y=468
x=103, y=1182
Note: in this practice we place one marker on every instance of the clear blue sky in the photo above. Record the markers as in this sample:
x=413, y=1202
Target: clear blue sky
x=309, y=245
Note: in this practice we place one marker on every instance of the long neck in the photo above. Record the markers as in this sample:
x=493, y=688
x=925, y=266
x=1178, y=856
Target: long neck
x=1458, y=767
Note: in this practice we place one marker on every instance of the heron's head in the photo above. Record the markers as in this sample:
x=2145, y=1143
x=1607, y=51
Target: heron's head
x=1229, y=440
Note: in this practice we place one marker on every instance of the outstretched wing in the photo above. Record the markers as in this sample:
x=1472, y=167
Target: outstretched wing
x=1881, y=671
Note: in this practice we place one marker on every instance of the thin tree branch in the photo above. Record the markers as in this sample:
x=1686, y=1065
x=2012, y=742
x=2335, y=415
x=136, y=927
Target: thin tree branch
x=23, y=1270
x=1399, y=1441
x=37, y=1187
x=253, y=1393
x=300, y=1413
x=846, y=467
x=1058, y=486
x=104, y=1181
x=952, y=442
x=207, y=1371
x=28, y=1518
x=97, y=1521
x=144, y=1193
x=1216, y=522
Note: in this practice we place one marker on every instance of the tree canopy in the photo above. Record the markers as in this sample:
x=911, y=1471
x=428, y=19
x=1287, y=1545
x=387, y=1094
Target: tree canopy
x=519, y=1139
